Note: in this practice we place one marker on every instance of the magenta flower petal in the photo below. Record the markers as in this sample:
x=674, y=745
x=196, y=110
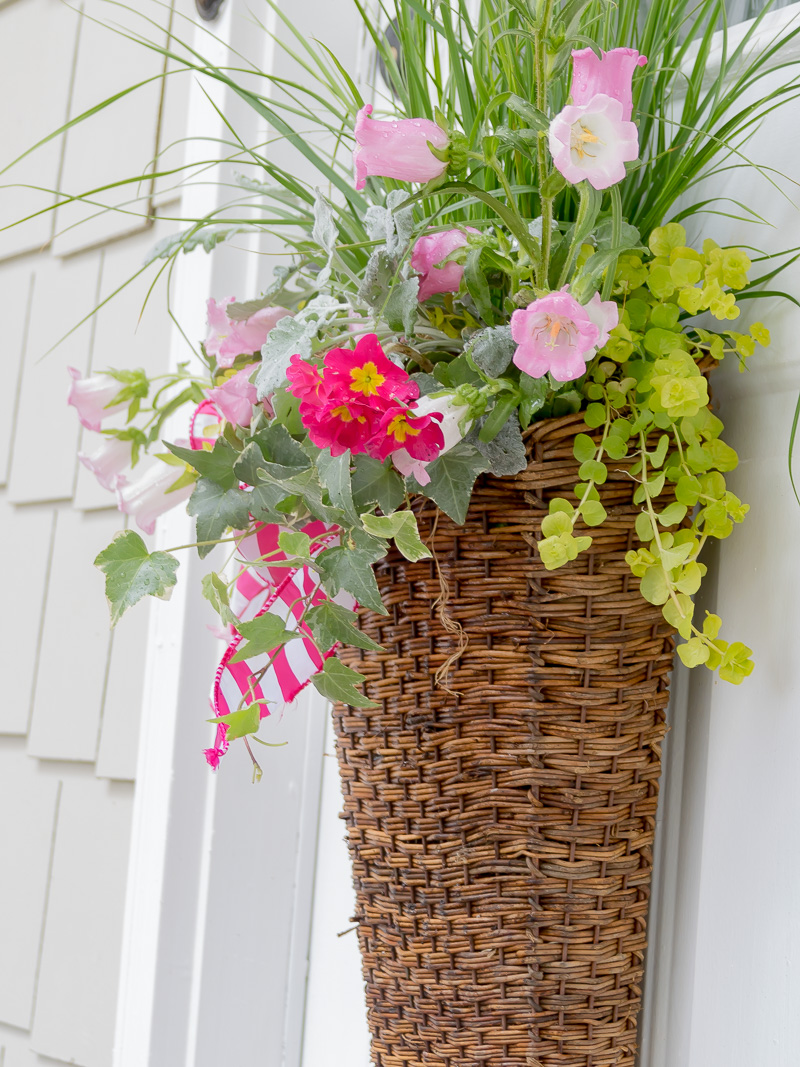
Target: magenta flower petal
x=610, y=74
x=397, y=148
x=593, y=142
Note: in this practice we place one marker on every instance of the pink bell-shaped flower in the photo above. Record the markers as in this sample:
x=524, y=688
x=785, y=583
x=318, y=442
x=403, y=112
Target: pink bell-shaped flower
x=108, y=460
x=593, y=142
x=397, y=148
x=146, y=498
x=234, y=399
x=228, y=339
x=91, y=396
x=452, y=415
x=610, y=74
x=557, y=334
x=431, y=249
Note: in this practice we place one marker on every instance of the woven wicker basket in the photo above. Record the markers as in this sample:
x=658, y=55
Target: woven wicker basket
x=502, y=838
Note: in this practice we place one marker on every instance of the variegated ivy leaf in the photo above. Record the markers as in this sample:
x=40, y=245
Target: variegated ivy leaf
x=292, y=336
x=132, y=572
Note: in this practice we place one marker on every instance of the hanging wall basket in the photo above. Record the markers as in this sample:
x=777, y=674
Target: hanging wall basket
x=501, y=829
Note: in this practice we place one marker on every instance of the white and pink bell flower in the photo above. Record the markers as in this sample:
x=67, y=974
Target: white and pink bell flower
x=91, y=396
x=558, y=335
x=228, y=339
x=610, y=74
x=453, y=415
x=235, y=398
x=108, y=460
x=146, y=498
x=431, y=249
x=397, y=148
x=593, y=142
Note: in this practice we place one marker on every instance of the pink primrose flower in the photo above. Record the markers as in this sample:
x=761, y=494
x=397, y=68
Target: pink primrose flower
x=420, y=436
x=91, y=396
x=452, y=415
x=593, y=142
x=431, y=249
x=305, y=381
x=556, y=334
x=108, y=460
x=146, y=498
x=235, y=398
x=228, y=339
x=340, y=424
x=397, y=148
x=610, y=74
x=364, y=374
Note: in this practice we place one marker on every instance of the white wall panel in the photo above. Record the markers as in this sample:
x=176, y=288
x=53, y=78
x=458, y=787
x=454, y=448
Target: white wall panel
x=26, y=538
x=74, y=1018
x=15, y=285
x=37, y=38
x=26, y=844
x=118, y=142
x=75, y=641
x=122, y=706
x=62, y=295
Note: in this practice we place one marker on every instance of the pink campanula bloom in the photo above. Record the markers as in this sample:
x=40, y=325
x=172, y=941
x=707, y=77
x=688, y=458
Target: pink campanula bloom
x=228, y=339
x=146, y=498
x=421, y=436
x=593, y=142
x=397, y=148
x=604, y=314
x=91, y=396
x=108, y=460
x=366, y=375
x=610, y=74
x=554, y=333
x=453, y=415
x=235, y=398
x=431, y=249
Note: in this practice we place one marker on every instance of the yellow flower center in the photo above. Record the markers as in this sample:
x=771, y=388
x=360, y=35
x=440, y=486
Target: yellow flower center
x=366, y=379
x=400, y=429
x=344, y=414
x=580, y=137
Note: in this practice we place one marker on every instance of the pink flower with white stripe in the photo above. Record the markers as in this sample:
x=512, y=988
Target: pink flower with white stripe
x=146, y=498
x=108, y=460
x=91, y=397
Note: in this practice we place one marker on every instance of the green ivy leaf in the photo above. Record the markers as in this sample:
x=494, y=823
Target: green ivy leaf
x=216, y=509
x=452, y=478
x=338, y=682
x=215, y=590
x=402, y=526
x=334, y=474
x=330, y=622
x=240, y=723
x=278, y=446
x=350, y=569
x=216, y=465
x=378, y=483
x=132, y=572
x=295, y=543
x=262, y=634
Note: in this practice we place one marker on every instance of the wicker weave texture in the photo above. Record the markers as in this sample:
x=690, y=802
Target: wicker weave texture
x=502, y=838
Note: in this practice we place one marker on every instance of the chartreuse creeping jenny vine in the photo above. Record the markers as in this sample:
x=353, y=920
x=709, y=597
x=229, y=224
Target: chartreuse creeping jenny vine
x=419, y=330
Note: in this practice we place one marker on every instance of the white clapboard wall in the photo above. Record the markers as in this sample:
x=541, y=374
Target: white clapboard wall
x=72, y=693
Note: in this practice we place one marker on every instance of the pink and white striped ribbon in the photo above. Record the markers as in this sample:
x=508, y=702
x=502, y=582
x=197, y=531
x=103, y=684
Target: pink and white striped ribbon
x=263, y=587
